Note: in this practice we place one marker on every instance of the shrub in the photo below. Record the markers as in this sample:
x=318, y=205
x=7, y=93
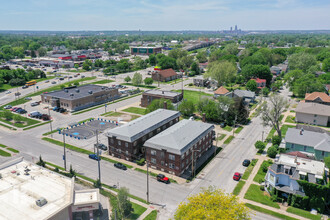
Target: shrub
x=41, y=162
x=260, y=146
x=262, y=188
x=276, y=140
x=271, y=152
x=140, y=162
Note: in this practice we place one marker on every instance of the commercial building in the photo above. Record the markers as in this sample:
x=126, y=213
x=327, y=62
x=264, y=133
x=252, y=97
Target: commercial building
x=287, y=169
x=145, y=50
x=75, y=98
x=127, y=141
x=313, y=113
x=150, y=95
x=315, y=144
x=164, y=75
x=174, y=149
x=32, y=192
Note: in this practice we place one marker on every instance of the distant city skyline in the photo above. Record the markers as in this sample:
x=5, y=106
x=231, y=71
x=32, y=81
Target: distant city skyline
x=147, y=15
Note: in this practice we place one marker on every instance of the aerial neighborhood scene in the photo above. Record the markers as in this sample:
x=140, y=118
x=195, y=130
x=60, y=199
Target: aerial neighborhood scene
x=156, y=110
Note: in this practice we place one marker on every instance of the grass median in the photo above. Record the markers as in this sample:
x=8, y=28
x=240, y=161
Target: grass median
x=238, y=187
x=37, y=125
x=229, y=139
x=135, y=110
x=239, y=129
x=4, y=153
x=151, y=216
x=248, y=170
x=303, y=213
x=9, y=127
x=269, y=212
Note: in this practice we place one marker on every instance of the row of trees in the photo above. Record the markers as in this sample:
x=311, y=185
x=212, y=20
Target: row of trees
x=20, y=76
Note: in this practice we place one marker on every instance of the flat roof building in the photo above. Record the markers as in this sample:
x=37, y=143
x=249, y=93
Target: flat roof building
x=75, y=98
x=164, y=75
x=174, y=149
x=150, y=95
x=145, y=50
x=28, y=191
x=127, y=141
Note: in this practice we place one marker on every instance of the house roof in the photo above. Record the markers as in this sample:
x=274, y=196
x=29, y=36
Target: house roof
x=161, y=93
x=297, y=154
x=221, y=91
x=259, y=80
x=180, y=137
x=317, y=95
x=319, y=141
x=167, y=73
x=313, y=108
x=244, y=93
x=141, y=126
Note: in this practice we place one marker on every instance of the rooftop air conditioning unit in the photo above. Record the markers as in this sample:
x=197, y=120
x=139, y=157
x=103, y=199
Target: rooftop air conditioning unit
x=90, y=92
x=65, y=90
x=77, y=90
x=71, y=94
x=41, y=202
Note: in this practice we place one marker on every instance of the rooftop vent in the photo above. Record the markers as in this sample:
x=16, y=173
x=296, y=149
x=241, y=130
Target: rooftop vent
x=65, y=90
x=71, y=94
x=77, y=90
x=90, y=92
x=41, y=202
x=301, y=131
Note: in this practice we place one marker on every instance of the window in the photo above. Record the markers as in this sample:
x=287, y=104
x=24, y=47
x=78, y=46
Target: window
x=182, y=156
x=150, y=134
x=126, y=144
x=315, y=116
x=119, y=150
x=203, y=138
x=111, y=141
x=286, y=171
x=162, y=155
x=200, y=141
x=182, y=165
x=164, y=127
x=171, y=157
x=177, y=119
x=292, y=146
x=162, y=163
x=314, y=121
x=171, y=165
x=153, y=160
x=153, y=152
x=323, y=153
x=158, y=130
x=277, y=180
x=271, y=177
x=119, y=143
x=305, y=148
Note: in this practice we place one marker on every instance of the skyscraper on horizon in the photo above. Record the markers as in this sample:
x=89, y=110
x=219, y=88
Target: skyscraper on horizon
x=236, y=28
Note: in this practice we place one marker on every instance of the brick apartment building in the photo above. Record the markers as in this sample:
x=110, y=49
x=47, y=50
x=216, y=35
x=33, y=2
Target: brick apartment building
x=164, y=75
x=75, y=98
x=172, y=150
x=127, y=141
x=150, y=95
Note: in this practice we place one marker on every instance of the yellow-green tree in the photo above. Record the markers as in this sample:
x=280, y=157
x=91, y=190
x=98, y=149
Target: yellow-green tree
x=212, y=203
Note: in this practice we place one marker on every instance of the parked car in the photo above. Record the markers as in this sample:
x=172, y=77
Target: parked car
x=45, y=117
x=237, y=176
x=25, y=87
x=102, y=147
x=82, y=76
x=55, y=108
x=34, y=104
x=18, y=108
x=28, y=98
x=53, y=82
x=8, y=107
x=35, y=114
x=21, y=111
x=61, y=78
x=94, y=157
x=70, y=77
x=8, y=92
x=163, y=178
x=13, y=109
x=47, y=81
x=246, y=162
x=61, y=110
x=120, y=166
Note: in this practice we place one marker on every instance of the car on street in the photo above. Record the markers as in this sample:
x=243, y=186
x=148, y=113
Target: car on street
x=246, y=162
x=8, y=92
x=101, y=146
x=8, y=107
x=120, y=166
x=237, y=176
x=25, y=87
x=94, y=157
x=47, y=81
x=163, y=178
x=53, y=82
x=34, y=104
x=70, y=77
x=45, y=117
x=28, y=98
x=61, y=110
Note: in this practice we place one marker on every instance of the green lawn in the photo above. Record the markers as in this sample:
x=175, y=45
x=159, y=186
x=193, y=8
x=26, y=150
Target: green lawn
x=271, y=134
x=238, y=187
x=140, y=86
x=248, y=170
x=138, y=210
x=227, y=128
x=193, y=96
x=151, y=216
x=135, y=110
x=13, y=150
x=255, y=194
x=260, y=176
x=284, y=129
x=269, y=212
x=220, y=137
x=104, y=81
x=9, y=127
x=28, y=121
x=229, y=139
x=290, y=119
x=3, y=146
x=4, y=153
x=113, y=114
x=303, y=213
x=239, y=129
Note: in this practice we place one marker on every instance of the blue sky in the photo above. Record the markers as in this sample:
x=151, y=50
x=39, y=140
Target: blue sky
x=164, y=14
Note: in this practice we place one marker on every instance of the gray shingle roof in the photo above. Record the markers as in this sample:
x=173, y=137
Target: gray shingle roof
x=244, y=93
x=141, y=126
x=162, y=93
x=320, y=141
x=313, y=108
x=180, y=137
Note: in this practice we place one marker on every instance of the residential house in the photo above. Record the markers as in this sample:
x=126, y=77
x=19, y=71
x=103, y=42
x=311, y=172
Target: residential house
x=287, y=169
x=164, y=75
x=275, y=70
x=127, y=141
x=174, y=149
x=261, y=83
x=204, y=82
x=247, y=96
x=283, y=67
x=317, y=97
x=312, y=143
x=313, y=113
x=221, y=91
x=150, y=95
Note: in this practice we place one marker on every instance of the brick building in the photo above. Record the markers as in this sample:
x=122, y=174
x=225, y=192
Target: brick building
x=145, y=50
x=127, y=141
x=150, y=95
x=75, y=98
x=164, y=75
x=172, y=150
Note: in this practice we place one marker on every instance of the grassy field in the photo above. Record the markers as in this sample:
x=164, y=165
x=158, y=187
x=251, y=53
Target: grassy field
x=239, y=129
x=13, y=150
x=135, y=110
x=269, y=212
x=113, y=114
x=303, y=213
x=104, y=81
x=255, y=194
x=221, y=137
x=28, y=121
x=140, y=86
x=290, y=119
x=137, y=211
x=238, y=187
x=248, y=170
x=194, y=96
x=151, y=216
x=229, y=139
x=260, y=176
x=4, y=153
x=284, y=129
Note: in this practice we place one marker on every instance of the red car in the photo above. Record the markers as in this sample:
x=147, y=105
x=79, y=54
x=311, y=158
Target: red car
x=237, y=176
x=13, y=109
x=163, y=178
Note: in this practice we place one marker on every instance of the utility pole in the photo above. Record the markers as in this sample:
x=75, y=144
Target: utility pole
x=51, y=128
x=64, y=155
x=98, y=156
x=234, y=125
x=147, y=182
x=216, y=145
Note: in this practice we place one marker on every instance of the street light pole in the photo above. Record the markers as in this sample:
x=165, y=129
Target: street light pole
x=98, y=155
x=51, y=128
x=147, y=182
x=64, y=155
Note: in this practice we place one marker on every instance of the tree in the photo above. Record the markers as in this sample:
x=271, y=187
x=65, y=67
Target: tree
x=187, y=108
x=7, y=115
x=185, y=62
x=166, y=62
x=326, y=65
x=302, y=61
x=265, y=91
x=223, y=72
x=124, y=205
x=201, y=56
x=42, y=51
x=276, y=140
x=17, y=118
x=76, y=65
x=148, y=81
x=127, y=79
x=260, y=145
x=159, y=103
x=139, y=63
x=87, y=65
x=271, y=114
x=137, y=79
x=257, y=71
x=41, y=162
x=271, y=152
x=252, y=85
x=177, y=53
x=194, y=69
x=152, y=60
x=76, y=83
x=212, y=203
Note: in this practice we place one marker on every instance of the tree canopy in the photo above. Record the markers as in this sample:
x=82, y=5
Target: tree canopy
x=223, y=72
